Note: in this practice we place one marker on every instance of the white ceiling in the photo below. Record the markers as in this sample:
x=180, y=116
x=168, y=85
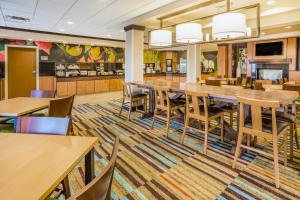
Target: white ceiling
x=106, y=18
x=98, y=18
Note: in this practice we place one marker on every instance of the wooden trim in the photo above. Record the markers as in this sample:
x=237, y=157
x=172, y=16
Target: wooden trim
x=284, y=50
x=61, y=34
x=134, y=27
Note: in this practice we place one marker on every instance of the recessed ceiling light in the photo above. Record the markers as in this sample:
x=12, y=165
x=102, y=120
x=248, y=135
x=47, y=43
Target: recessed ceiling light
x=62, y=30
x=262, y=33
x=270, y=2
x=122, y=30
x=70, y=22
x=108, y=35
x=288, y=27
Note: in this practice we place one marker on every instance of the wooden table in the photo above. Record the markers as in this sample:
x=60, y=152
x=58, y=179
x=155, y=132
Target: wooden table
x=31, y=166
x=15, y=107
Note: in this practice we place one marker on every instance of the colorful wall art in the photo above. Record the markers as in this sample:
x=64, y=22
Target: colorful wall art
x=69, y=53
x=209, y=61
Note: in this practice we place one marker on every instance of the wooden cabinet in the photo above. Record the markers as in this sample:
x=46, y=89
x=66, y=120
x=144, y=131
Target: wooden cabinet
x=115, y=84
x=66, y=88
x=47, y=83
x=85, y=87
x=101, y=85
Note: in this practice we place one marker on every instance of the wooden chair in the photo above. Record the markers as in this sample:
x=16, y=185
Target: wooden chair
x=135, y=99
x=213, y=82
x=62, y=108
x=100, y=187
x=42, y=93
x=246, y=82
x=258, y=86
x=47, y=126
x=202, y=113
x=166, y=108
x=268, y=129
x=239, y=81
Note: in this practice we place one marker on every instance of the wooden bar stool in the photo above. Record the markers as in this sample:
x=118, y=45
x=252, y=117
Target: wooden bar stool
x=135, y=98
x=167, y=108
x=202, y=113
x=266, y=128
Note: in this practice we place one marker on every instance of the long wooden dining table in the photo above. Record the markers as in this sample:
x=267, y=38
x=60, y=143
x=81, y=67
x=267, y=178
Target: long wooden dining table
x=226, y=94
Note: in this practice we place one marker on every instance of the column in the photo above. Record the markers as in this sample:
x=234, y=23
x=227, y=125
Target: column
x=134, y=53
x=193, y=63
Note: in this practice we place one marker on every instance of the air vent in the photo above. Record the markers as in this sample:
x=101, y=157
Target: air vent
x=11, y=18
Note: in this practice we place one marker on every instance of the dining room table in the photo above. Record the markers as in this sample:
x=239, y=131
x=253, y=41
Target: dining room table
x=32, y=165
x=223, y=94
x=20, y=106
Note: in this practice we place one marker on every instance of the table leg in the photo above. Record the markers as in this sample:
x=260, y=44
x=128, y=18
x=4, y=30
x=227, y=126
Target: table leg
x=89, y=166
x=15, y=123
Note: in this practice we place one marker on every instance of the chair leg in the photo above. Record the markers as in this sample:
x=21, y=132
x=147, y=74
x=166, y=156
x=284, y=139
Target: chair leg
x=231, y=119
x=145, y=104
x=285, y=148
x=153, y=121
x=276, y=165
x=291, y=141
x=66, y=187
x=206, y=137
x=168, y=122
x=222, y=128
x=121, y=107
x=130, y=108
x=238, y=148
x=296, y=136
x=184, y=130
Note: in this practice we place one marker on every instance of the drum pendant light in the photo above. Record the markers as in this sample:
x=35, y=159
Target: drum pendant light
x=189, y=33
x=229, y=25
x=160, y=37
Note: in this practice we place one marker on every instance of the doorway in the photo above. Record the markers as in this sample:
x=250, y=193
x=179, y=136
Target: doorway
x=21, y=70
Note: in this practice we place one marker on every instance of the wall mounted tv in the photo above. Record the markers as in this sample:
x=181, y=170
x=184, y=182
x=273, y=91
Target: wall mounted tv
x=269, y=49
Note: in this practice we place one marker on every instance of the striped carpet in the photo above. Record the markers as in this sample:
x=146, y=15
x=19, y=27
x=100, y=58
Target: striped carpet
x=151, y=166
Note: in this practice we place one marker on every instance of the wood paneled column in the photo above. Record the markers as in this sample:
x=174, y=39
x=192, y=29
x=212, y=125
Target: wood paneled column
x=134, y=53
x=193, y=63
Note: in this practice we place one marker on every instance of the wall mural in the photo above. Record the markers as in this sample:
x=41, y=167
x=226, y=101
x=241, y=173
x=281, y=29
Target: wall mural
x=209, y=62
x=69, y=53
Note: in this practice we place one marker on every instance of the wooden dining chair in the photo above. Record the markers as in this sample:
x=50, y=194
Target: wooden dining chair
x=135, y=99
x=269, y=129
x=42, y=93
x=167, y=108
x=198, y=109
x=46, y=126
x=239, y=81
x=246, y=82
x=100, y=187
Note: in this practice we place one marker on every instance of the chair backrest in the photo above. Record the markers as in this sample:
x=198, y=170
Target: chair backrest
x=100, y=187
x=239, y=80
x=43, y=125
x=213, y=82
x=42, y=93
x=256, y=107
x=126, y=89
x=61, y=107
x=258, y=86
x=281, y=81
x=264, y=82
x=162, y=100
x=246, y=82
x=193, y=102
x=285, y=79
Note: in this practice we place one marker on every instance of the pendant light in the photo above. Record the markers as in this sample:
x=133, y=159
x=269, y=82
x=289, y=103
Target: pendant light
x=160, y=37
x=229, y=24
x=189, y=33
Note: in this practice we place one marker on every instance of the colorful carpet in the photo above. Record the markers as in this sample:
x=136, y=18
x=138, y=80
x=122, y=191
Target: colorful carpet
x=152, y=166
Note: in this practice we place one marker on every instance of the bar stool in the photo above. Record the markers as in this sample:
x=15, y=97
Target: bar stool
x=202, y=113
x=134, y=98
x=266, y=128
x=167, y=108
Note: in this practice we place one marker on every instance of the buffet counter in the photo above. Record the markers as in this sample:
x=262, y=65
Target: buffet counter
x=97, y=84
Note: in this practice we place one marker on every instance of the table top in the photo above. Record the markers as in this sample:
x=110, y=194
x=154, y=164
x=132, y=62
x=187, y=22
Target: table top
x=22, y=105
x=230, y=93
x=31, y=166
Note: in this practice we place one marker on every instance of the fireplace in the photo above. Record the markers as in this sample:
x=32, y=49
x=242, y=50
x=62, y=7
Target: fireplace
x=268, y=71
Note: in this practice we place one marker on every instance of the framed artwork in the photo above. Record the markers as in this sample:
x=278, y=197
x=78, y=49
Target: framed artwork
x=169, y=65
x=209, y=62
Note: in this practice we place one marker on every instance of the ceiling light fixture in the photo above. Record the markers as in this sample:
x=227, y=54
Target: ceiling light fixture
x=189, y=33
x=70, y=22
x=262, y=33
x=161, y=37
x=229, y=24
x=288, y=27
x=62, y=30
x=108, y=35
x=271, y=2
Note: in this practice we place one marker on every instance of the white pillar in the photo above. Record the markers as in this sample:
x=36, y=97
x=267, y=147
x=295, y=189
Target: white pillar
x=134, y=53
x=193, y=63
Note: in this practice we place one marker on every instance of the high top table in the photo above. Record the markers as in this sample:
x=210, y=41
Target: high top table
x=32, y=166
x=15, y=107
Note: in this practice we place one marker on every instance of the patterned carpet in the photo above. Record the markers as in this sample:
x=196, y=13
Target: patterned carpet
x=151, y=166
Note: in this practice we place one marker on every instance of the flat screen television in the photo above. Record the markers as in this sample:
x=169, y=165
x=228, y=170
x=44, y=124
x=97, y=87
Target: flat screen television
x=269, y=49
